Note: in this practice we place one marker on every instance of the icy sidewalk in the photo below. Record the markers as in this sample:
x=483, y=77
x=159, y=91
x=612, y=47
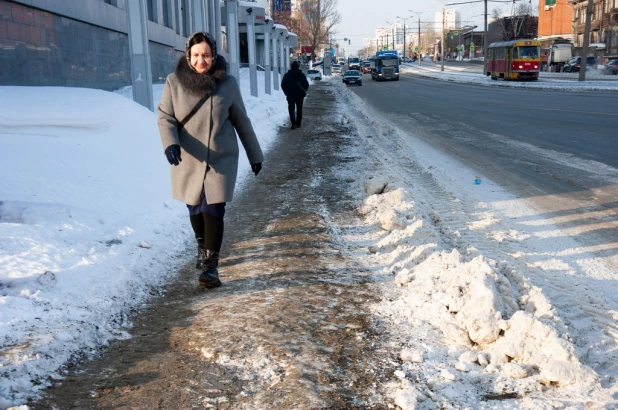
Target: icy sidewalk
x=291, y=325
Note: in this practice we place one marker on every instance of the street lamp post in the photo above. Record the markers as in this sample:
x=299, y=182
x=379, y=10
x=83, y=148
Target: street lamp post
x=393, y=32
x=404, y=34
x=419, y=33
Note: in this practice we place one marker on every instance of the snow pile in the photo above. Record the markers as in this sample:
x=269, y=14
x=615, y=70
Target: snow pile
x=88, y=228
x=500, y=324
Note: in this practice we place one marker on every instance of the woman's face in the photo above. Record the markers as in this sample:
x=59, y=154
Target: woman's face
x=201, y=57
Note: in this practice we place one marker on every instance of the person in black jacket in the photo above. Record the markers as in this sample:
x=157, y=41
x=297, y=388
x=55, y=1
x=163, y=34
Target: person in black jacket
x=295, y=85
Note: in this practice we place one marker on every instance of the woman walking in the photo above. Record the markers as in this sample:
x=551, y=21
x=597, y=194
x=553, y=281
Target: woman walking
x=200, y=112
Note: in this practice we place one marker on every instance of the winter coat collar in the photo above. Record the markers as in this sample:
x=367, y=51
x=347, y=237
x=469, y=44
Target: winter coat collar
x=201, y=85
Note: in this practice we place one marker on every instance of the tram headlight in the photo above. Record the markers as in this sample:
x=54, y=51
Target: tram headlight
x=521, y=66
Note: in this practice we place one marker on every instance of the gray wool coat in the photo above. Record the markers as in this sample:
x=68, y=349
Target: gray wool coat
x=208, y=143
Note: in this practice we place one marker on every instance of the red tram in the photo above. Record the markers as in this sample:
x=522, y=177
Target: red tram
x=514, y=60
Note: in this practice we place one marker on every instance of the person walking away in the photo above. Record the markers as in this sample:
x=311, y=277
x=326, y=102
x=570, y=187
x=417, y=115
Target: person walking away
x=295, y=85
x=200, y=112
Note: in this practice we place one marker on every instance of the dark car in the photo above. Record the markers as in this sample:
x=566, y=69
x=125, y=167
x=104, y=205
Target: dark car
x=574, y=64
x=352, y=77
x=611, y=67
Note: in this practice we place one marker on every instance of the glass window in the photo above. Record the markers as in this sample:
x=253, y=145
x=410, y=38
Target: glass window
x=389, y=63
x=150, y=9
x=526, y=52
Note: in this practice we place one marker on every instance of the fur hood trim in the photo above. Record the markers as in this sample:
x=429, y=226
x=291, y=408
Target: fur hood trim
x=201, y=85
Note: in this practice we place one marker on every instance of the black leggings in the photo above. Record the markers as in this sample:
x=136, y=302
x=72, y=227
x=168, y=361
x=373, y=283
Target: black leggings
x=298, y=105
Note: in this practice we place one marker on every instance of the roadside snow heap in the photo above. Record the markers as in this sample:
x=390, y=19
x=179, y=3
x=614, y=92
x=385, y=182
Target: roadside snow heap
x=503, y=325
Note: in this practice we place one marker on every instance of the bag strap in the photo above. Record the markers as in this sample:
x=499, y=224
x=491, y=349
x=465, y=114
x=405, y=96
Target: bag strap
x=193, y=111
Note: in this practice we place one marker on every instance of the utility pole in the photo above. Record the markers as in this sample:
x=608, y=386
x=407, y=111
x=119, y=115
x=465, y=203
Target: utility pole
x=393, y=29
x=584, y=61
x=418, y=13
x=404, y=34
x=419, y=53
x=442, y=42
x=485, y=42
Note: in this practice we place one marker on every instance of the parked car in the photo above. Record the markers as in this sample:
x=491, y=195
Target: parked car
x=352, y=77
x=611, y=67
x=366, y=67
x=336, y=69
x=314, y=75
x=574, y=64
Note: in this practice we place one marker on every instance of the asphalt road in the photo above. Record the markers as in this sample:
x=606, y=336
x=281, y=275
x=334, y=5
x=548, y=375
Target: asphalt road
x=583, y=124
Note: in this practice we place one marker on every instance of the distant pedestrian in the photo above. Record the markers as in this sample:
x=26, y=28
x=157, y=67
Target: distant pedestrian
x=295, y=85
x=200, y=112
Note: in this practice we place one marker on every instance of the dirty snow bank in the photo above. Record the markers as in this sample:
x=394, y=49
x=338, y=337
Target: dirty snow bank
x=505, y=328
x=475, y=331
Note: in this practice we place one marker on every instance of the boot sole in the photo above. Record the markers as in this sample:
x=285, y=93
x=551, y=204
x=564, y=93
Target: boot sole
x=209, y=284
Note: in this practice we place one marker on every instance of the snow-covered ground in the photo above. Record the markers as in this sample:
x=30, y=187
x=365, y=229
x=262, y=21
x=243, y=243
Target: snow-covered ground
x=473, y=74
x=88, y=227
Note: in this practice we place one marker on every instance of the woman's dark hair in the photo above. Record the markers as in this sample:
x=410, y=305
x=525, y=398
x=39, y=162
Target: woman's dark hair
x=196, y=39
x=201, y=37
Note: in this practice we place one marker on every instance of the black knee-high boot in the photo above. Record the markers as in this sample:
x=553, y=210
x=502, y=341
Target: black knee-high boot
x=213, y=237
x=197, y=223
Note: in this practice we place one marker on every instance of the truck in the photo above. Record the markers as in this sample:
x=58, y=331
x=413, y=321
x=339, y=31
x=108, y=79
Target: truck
x=556, y=55
x=354, y=63
x=386, y=66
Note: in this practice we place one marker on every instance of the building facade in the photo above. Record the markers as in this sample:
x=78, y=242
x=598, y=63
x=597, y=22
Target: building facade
x=84, y=43
x=555, y=20
x=452, y=20
x=603, y=27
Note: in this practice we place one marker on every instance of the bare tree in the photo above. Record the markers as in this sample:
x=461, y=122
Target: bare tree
x=527, y=9
x=319, y=17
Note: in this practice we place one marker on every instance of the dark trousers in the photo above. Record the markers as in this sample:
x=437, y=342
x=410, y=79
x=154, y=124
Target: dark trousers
x=298, y=106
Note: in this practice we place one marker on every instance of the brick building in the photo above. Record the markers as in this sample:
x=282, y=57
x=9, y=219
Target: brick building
x=555, y=20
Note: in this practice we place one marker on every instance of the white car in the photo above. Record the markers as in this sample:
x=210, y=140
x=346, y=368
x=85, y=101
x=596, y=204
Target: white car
x=314, y=74
x=336, y=69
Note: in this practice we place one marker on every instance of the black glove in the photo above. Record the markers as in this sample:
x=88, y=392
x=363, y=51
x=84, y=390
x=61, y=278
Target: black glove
x=256, y=168
x=173, y=154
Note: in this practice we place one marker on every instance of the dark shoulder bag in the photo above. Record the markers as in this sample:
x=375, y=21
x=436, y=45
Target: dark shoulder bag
x=193, y=111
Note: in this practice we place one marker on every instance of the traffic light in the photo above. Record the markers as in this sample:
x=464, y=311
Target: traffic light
x=349, y=42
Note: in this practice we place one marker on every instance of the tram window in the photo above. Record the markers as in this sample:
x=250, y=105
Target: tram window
x=527, y=52
x=501, y=53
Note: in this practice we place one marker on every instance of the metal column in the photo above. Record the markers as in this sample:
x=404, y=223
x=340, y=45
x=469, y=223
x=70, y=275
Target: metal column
x=251, y=45
x=267, y=80
x=141, y=74
x=199, y=16
x=281, y=55
x=275, y=61
x=232, y=38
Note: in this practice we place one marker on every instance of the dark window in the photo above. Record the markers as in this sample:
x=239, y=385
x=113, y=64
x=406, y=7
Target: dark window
x=184, y=4
x=150, y=8
x=167, y=17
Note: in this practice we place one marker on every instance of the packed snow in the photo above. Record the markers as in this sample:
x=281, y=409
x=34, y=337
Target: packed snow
x=88, y=232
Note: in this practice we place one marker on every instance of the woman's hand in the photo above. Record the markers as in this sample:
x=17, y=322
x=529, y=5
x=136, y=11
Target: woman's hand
x=173, y=154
